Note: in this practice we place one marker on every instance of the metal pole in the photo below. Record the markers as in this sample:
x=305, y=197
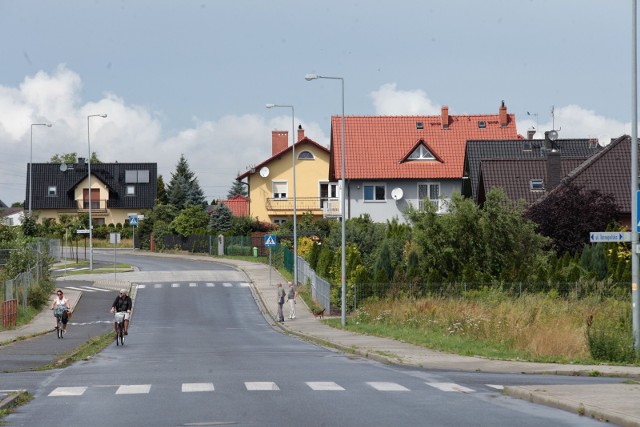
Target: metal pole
x=89, y=174
x=634, y=180
x=31, y=160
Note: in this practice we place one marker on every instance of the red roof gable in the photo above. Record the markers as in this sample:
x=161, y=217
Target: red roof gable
x=238, y=204
x=377, y=145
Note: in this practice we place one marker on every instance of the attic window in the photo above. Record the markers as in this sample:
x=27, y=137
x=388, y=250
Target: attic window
x=421, y=153
x=526, y=145
x=419, y=125
x=482, y=124
x=52, y=191
x=536, y=185
x=305, y=155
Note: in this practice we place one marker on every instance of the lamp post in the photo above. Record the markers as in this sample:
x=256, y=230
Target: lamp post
x=635, y=297
x=310, y=77
x=31, y=161
x=89, y=175
x=295, y=203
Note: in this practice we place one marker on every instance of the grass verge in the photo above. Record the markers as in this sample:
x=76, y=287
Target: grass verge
x=84, y=352
x=20, y=399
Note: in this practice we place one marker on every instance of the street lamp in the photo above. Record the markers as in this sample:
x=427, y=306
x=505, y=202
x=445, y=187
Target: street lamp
x=295, y=203
x=31, y=160
x=310, y=77
x=89, y=175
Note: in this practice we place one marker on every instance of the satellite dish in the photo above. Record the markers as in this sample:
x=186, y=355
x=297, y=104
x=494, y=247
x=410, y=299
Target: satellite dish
x=553, y=135
x=63, y=167
x=264, y=172
x=397, y=193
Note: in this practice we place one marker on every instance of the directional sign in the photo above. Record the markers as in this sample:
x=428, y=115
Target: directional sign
x=609, y=236
x=133, y=220
x=269, y=240
x=82, y=231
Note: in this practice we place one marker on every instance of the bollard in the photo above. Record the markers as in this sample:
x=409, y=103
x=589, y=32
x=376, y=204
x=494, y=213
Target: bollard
x=255, y=251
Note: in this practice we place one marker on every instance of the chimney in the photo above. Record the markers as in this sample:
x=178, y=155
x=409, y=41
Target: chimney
x=444, y=117
x=80, y=161
x=279, y=141
x=300, y=133
x=503, y=115
x=530, y=133
x=554, y=170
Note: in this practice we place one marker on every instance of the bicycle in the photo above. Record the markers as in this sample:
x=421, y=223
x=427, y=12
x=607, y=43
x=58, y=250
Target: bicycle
x=59, y=325
x=119, y=319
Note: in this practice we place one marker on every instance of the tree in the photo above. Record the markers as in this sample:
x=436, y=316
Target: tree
x=570, y=213
x=220, y=219
x=183, y=190
x=71, y=158
x=192, y=220
x=162, y=192
x=237, y=188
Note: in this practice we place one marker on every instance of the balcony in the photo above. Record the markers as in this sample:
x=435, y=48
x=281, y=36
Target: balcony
x=98, y=207
x=442, y=205
x=316, y=205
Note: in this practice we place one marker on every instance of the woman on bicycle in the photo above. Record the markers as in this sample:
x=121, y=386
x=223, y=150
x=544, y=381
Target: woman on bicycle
x=61, y=307
x=122, y=304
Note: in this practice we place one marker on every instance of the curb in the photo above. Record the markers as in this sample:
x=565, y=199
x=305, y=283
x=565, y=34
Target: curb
x=9, y=401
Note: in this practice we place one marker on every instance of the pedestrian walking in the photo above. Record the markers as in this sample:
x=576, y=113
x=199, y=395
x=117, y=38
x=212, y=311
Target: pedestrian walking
x=292, y=294
x=281, y=295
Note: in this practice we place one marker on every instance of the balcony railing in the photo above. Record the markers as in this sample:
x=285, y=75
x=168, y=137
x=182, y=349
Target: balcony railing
x=303, y=204
x=442, y=205
x=96, y=205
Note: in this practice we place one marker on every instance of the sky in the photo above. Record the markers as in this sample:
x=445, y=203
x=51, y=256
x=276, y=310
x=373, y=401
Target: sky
x=193, y=77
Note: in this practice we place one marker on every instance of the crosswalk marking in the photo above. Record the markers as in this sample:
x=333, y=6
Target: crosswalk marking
x=244, y=285
x=142, y=286
x=68, y=391
x=385, y=386
x=193, y=285
x=157, y=285
x=196, y=387
x=96, y=289
x=261, y=386
x=451, y=387
x=78, y=289
x=227, y=285
x=497, y=387
x=175, y=285
x=324, y=386
x=210, y=285
x=134, y=389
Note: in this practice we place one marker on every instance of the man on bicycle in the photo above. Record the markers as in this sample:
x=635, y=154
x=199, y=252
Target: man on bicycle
x=61, y=307
x=122, y=304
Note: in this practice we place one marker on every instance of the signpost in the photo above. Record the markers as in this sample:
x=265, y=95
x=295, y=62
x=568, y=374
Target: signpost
x=115, y=239
x=609, y=236
x=269, y=241
x=133, y=220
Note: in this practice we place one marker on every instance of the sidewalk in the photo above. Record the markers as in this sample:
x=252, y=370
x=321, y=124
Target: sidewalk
x=616, y=403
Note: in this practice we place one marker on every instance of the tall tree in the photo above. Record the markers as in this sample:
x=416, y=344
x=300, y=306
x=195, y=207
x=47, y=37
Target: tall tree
x=183, y=189
x=71, y=158
x=221, y=219
x=162, y=192
x=237, y=188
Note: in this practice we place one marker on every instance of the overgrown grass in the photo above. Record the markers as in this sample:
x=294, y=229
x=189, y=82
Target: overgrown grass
x=532, y=327
x=22, y=399
x=85, y=351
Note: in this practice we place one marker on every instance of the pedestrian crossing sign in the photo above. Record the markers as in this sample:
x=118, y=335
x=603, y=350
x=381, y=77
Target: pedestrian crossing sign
x=133, y=220
x=269, y=240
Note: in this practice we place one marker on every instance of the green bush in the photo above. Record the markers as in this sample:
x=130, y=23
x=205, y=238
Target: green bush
x=239, y=250
x=611, y=340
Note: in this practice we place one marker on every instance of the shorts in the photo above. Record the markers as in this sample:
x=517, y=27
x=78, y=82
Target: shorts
x=126, y=315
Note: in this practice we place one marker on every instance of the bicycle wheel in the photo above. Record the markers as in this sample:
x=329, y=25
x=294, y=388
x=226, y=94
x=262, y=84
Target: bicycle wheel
x=60, y=328
x=122, y=336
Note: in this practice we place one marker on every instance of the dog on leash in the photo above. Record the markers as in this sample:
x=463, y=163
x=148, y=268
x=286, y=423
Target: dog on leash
x=318, y=313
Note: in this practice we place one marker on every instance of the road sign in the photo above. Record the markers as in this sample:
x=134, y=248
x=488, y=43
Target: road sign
x=269, y=240
x=133, y=220
x=114, y=238
x=638, y=211
x=609, y=236
x=82, y=231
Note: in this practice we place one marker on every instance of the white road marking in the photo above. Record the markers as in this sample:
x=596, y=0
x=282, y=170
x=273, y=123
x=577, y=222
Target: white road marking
x=96, y=289
x=134, y=389
x=245, y=285
x=261, y=386
x=157, y=285
x=196, y=387
x=68, y=391
x=193, y=285
x=175, y=285
x=497, y=387
x=324, y=386
x=78, y=289
x=142, y=286
x=451, y=387
x=210, y=285
x=384, y=386
x=227, y=285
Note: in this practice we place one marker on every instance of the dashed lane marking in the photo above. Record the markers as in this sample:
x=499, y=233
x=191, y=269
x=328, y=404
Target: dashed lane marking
x=385, y=386
x=68, y=391
x=134, y=389
x=324, y=386
x=196, y=387
x=451, y=387
x=261, y=386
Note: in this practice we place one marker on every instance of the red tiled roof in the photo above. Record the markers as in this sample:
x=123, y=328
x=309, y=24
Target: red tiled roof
x=238, y=204
x=376, y=145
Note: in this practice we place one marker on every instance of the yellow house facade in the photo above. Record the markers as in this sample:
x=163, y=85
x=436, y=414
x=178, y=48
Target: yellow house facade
x=270, y=183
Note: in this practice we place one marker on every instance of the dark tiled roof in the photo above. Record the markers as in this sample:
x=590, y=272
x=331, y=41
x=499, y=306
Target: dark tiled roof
x=2, y=204
x=514, y=176
x=479, y=150
x=9, y=211
x=609, y=172
x=111, y=174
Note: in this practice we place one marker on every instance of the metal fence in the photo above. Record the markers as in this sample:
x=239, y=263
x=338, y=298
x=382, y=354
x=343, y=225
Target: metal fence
x=320, y=288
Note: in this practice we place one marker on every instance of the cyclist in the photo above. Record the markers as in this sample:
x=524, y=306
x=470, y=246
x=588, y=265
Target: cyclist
x=122, y=304
x=61, y=307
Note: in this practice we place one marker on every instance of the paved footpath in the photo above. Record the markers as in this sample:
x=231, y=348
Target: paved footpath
x=615, y=403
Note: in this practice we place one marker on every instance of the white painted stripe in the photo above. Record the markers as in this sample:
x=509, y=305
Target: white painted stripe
x=175, y=285
x=245, y=285
x=261, y=386
x=134, y=389
x=196, y=387
x=451, y=387
x=324, y=386
x=383, y=386
x=68, y=391
x=210, y=285
x=227, y=285
x=497, y=387
x=157, y=285
x=142, y=286
x=96, y=289
x=193, y=285
x=78, y=289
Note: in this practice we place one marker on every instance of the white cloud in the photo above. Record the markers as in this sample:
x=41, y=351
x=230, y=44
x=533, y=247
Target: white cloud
x=216, y=150
x=389, y=101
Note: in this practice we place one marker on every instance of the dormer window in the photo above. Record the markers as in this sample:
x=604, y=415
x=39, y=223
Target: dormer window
x=536, y=185
x=306, y=155
x=421, y=153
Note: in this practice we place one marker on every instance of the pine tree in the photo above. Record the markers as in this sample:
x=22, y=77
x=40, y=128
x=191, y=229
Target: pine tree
x=162, y=192
x=237, y=188
x=220, y=219
x=183, y=190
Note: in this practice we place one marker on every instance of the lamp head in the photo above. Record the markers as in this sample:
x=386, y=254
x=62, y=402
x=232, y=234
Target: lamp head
x=48, y=125
x=270, y=105
x=104, y=116
x=309, y=77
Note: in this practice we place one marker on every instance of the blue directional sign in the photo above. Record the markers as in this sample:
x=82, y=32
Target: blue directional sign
x=269, y=240
x=133, y=220
x=609, y=236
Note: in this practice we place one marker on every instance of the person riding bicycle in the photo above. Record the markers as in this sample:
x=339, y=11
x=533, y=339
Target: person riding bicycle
x=61, y=308
x=122, y=304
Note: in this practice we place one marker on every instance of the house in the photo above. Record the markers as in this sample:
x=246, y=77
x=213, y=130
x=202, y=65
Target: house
x=11, y=216
x=117, y=189
x=238, y=204
x=394, y=162
x=519, y=166
x=270, y=183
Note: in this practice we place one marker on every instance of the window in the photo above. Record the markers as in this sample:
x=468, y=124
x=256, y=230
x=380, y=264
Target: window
x=136, y=177
x=526, y=145
x=374, y=193
x=429, y=192
x=536, y=184
x=280, y=189
x=53, y=191
x=421, y=153
x=279, y=220
x=306, y=155
x=131, y=190
x=328, y=191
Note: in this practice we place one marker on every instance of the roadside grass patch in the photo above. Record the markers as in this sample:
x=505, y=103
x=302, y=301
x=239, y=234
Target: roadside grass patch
x=23, y=398
x=83, y=352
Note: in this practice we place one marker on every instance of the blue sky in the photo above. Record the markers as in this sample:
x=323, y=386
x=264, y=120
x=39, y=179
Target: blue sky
x=192, y=77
